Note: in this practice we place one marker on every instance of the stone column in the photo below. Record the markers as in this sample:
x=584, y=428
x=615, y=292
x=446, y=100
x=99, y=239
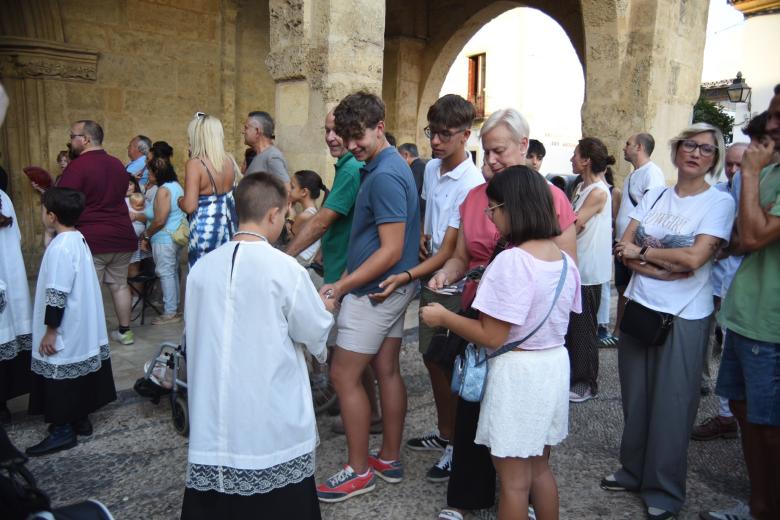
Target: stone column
x=30, y=70
x=402, y=85
x=643, y=69
x=320, y=52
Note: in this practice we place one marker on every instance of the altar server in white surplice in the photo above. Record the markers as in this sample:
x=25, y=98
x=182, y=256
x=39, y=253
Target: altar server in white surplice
x=252, y=427
x=15, y=311
x=70, y=358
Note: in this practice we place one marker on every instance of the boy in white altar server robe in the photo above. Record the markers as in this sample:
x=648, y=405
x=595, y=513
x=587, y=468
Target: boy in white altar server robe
x=252, y=426
x=71, y=365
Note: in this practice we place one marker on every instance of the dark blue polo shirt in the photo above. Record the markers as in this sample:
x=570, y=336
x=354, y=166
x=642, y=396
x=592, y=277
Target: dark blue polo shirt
x=387, y=194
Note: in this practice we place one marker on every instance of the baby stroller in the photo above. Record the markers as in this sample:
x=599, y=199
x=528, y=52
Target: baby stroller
x=166, y=374
x=22, y=499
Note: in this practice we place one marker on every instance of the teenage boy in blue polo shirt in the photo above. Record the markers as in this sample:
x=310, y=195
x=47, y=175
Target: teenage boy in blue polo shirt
x=384, y=241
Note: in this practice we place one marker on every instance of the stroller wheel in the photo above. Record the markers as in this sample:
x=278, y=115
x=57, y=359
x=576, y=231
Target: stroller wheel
x=181, y=416
x=322, y=392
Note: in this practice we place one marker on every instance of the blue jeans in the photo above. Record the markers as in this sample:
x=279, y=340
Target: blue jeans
x=750, y=371
x=166, y=264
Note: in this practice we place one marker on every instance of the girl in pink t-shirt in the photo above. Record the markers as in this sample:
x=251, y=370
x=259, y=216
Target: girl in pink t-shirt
x=525, y=407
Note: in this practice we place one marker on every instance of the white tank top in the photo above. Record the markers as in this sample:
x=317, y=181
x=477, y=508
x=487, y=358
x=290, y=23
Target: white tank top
x=594, y=243
x=307, y=255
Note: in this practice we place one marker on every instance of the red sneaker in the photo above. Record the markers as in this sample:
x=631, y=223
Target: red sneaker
x=392, y=471
x=346, y=484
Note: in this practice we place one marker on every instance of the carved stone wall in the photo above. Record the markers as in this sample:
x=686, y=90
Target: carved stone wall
x=642, y=62
x=145, y=66
x=136, y=67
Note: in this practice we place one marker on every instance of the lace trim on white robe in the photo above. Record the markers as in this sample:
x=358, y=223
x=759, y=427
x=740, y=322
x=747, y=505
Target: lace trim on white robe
x=55, y=298
x=236, y=481
x=70, y=370
x=10, y=349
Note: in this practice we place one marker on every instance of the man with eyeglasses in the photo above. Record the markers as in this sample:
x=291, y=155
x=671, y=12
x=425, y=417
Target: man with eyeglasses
x=258, y=133
x=105, y=222
x=449, y=177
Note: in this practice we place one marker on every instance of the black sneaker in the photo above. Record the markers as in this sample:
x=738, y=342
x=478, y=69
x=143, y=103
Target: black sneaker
x=440, y=472
x=429, y=442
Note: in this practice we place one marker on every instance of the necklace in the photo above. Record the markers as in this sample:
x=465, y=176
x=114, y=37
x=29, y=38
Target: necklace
x=250, y=233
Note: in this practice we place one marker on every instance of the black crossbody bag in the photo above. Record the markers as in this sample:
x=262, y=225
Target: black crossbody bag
x=649, y=326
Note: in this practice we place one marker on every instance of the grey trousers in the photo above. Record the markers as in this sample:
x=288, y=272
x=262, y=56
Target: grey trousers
x=660, y=391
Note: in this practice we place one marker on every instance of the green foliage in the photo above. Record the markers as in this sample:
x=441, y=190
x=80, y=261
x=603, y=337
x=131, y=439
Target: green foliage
x=708, y=112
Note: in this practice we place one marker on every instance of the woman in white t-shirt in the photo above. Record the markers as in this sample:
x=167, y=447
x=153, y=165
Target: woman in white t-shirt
x=592, y=203
x=669, y=245
x=525, y=407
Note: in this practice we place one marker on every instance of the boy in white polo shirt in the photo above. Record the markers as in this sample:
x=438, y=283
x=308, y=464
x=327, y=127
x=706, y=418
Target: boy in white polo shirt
x=449, y=176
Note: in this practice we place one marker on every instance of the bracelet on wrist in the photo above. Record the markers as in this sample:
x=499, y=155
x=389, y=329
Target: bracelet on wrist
x=410, y=275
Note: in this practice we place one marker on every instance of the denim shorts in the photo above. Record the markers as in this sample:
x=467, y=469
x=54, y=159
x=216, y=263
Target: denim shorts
x=750, y=371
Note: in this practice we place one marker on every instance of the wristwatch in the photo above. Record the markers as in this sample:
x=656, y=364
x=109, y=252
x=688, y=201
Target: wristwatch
x=146, y=237
x=642, y=253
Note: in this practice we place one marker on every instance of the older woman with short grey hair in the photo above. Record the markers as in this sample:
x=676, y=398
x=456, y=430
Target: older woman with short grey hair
x=670, y=244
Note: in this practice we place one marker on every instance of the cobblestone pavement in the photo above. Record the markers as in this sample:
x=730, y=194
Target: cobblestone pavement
x=135, y=462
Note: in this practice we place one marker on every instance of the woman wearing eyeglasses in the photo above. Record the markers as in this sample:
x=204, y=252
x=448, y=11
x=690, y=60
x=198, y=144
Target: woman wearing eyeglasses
x=505, y=141
x=669, y=245
x=209, y=177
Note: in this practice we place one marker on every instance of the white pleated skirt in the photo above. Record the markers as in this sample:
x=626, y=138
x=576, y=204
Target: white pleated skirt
x=526, y=403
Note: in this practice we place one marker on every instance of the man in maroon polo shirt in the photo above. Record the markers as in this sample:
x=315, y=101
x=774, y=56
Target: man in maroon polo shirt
x=105, y=222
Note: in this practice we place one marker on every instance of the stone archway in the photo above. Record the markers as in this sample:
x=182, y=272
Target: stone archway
x=642, y=61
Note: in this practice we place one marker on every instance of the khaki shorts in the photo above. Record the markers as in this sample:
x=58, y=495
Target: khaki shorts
x=451, y=302
x=363, y=326
x=334, y=330
x=112, y=267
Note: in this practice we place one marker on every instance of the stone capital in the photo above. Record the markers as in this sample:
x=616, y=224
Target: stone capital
x=43, y=59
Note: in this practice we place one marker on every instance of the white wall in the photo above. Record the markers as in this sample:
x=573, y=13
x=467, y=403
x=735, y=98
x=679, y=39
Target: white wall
x=531, y=66
x=736, y=44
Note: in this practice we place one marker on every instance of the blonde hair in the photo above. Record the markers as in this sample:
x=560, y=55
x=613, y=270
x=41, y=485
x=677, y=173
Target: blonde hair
x=700, y=128
x=207, y=139
x=136, y=197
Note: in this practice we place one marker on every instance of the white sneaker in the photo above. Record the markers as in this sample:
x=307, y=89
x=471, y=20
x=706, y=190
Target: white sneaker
x=125, y=338
x=575, y=397
x=741, y=511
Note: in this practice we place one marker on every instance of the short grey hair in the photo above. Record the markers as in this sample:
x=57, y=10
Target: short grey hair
x=265, y=121
x=700, y=128
x=736, y=145
x=143, y=143
x=512, y=119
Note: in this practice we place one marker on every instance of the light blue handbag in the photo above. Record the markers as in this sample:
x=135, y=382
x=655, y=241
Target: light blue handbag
x=471, y=367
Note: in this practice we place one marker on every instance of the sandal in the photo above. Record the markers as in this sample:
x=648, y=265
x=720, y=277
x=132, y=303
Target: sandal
x=449, y=514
